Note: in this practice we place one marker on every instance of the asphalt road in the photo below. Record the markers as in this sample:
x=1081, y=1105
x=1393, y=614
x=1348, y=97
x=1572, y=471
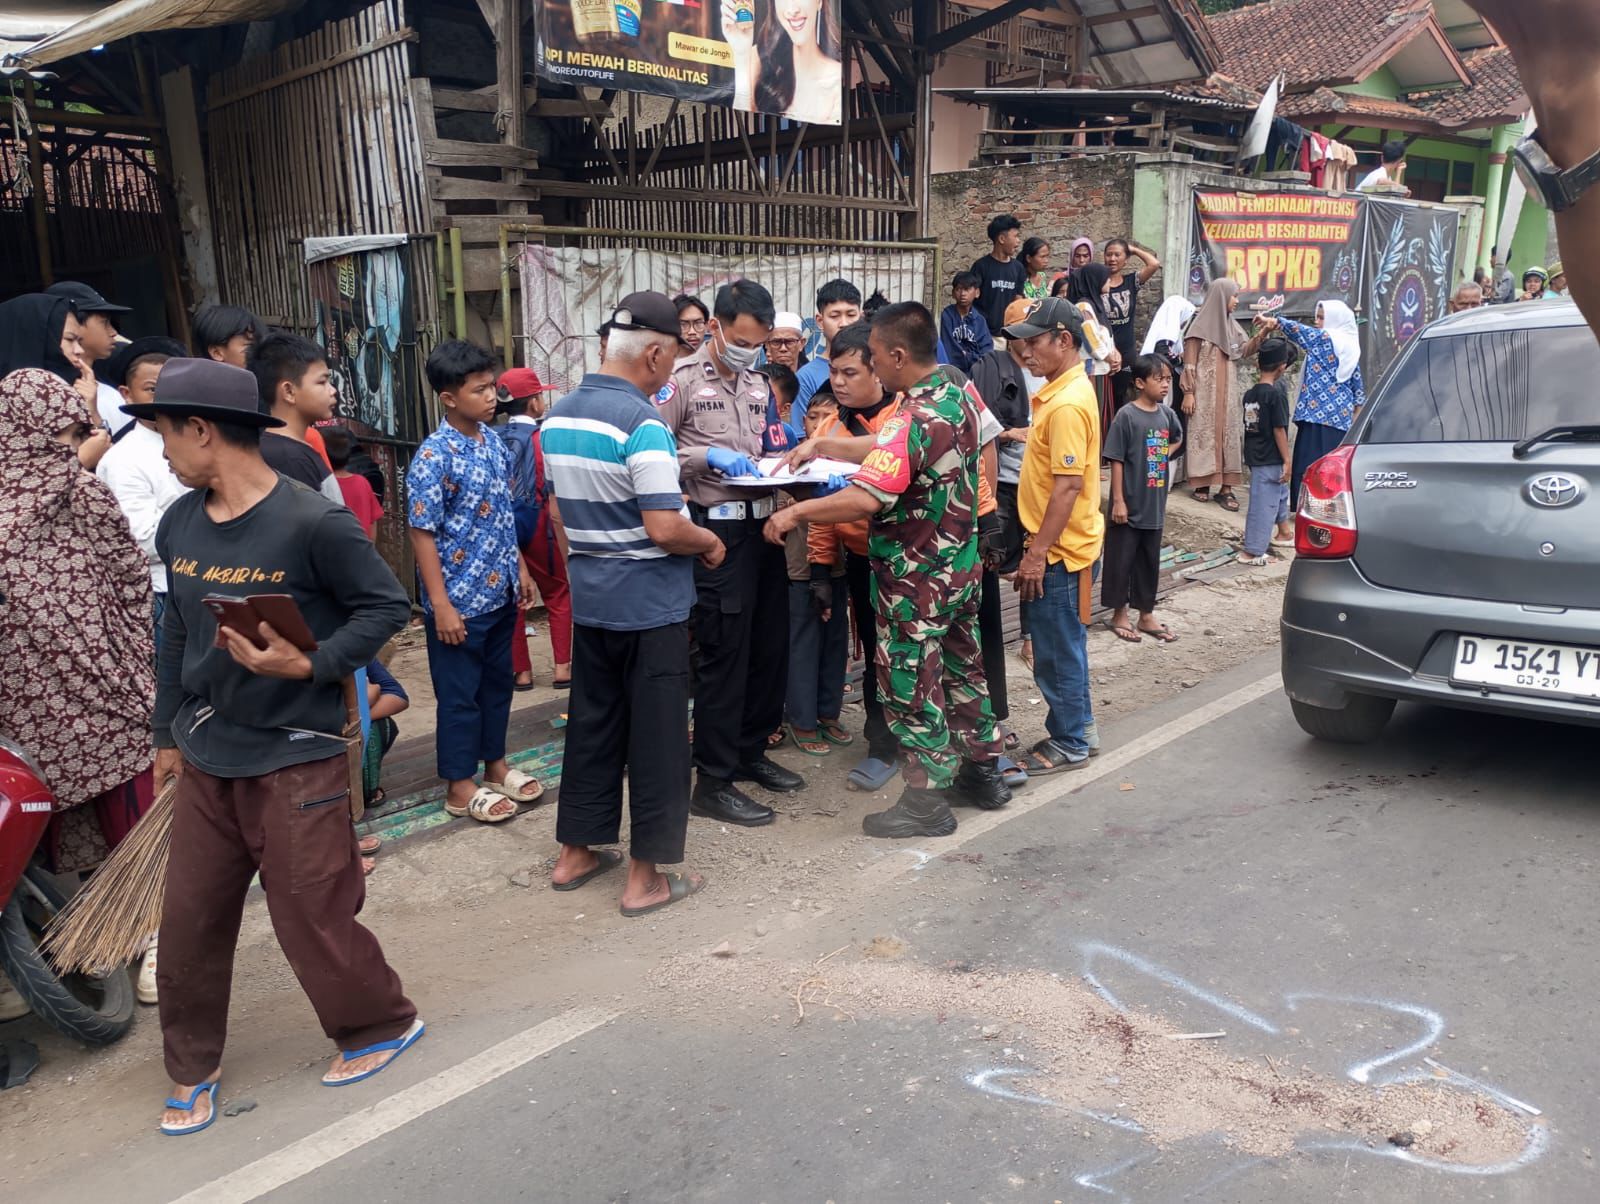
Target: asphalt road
x=1350, y=910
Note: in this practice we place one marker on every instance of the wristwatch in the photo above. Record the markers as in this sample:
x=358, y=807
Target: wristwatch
x=1560, y=190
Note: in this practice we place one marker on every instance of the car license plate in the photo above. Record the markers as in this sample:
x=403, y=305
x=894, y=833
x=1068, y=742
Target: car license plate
x=1555, y=669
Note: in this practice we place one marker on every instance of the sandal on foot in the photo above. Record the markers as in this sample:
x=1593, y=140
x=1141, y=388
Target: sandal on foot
x=813, y=745
x=1011, y=739
x=1160, y=635
x=1047, y=757
x=209, y=1090
x=1282, y=541
x=679, y=887
x=1203, y=494
x=561, y=683
x=777, y=738
x=1012, y=774
x=872, y=774
x=609, y=859
x=481, y=807
x=834, y=733
x=398, y=1046
x=519, y=787
x=1126, y=634
x=369, y=845
x=1228, y=502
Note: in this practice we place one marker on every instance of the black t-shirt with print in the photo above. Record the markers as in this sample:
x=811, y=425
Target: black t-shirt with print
x=1001, y=284
x=1265, y=408
x=1120, y=302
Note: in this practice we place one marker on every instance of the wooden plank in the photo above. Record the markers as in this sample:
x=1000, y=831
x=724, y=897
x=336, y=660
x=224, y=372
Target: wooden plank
x=345, y=56
x=454, y=188
x=581, y=188
x=483, y=229
x=452, y=152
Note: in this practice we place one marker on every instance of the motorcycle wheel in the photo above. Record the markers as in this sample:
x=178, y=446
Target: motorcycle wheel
x=91, y=1008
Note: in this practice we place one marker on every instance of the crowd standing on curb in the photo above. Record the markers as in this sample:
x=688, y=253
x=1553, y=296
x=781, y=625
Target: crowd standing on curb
x=701, y=613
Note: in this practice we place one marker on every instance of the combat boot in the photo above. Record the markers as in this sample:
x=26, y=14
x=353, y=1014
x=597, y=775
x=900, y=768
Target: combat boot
x=919, y=812
x=980, y=784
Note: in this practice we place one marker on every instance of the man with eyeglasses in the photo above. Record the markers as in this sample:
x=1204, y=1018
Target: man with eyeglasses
x=788, y=338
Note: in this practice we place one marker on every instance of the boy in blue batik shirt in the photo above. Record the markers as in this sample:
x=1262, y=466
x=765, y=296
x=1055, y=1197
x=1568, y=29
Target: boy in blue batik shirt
x=963, y=332
x=464, y=537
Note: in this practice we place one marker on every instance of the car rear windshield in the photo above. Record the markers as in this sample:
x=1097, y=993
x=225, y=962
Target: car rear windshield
x=1487, y=387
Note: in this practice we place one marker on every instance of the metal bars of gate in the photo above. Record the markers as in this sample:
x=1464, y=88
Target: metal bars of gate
x=876, y=267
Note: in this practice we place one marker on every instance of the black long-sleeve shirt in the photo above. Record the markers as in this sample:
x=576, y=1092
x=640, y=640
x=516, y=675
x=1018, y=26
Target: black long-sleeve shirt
x=227, y=720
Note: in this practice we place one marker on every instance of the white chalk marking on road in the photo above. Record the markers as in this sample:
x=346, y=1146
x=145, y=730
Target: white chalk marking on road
x=1092, y=950
x=1046, y=791
x=1361, y=1072
x=351, y=1132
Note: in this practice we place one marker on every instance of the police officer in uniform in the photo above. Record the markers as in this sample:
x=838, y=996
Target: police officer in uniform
x=720, y=411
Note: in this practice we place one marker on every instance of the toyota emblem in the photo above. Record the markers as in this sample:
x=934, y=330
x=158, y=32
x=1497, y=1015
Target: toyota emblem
x=1554, y=489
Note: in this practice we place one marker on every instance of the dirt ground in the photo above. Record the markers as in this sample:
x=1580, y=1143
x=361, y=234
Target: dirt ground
x=466, y=916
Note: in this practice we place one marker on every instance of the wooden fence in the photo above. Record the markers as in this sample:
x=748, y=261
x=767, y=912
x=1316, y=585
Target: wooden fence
x=317, y=138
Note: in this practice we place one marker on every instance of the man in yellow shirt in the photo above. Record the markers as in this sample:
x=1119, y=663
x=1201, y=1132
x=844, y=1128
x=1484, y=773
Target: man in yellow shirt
x=1058, y=501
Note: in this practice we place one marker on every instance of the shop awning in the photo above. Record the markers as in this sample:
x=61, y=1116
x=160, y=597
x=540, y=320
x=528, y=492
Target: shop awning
x=128, y=17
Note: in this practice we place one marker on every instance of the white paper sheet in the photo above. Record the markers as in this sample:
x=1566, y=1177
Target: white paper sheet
x=815, y=472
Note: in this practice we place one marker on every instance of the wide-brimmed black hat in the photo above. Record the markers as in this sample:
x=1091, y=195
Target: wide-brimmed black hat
x=85, y=299
x=206, y=389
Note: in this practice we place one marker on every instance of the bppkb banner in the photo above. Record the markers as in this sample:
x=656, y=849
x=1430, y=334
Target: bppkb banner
x=1390, y=261
x=781, y=57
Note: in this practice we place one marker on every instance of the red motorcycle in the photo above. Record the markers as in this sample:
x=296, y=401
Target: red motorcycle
x=91, y=1008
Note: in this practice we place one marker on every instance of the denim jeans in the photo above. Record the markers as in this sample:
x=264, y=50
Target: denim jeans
x=1269, y=504
x=1061, y=659
x=817, y=654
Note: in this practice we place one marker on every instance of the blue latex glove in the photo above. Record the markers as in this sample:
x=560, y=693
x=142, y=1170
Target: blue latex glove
x=731, y=463
x=835, y=483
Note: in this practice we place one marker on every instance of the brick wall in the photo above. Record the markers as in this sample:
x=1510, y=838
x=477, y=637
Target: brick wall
x=1090, y=197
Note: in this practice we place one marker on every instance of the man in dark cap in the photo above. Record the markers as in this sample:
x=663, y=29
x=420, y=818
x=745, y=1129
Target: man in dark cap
x=631, y=552
x=253, y=727
x=99, y=335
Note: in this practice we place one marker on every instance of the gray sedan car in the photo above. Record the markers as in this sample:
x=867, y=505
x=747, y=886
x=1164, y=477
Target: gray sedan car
x=1449, y=550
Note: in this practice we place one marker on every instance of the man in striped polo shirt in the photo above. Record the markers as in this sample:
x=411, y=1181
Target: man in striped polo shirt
x=618, y=508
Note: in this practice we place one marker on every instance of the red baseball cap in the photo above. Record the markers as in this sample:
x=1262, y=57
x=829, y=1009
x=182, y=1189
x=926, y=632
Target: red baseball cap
x=522, y=382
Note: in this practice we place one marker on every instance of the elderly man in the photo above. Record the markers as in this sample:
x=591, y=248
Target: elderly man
x=784, y=345
x=1468, y=295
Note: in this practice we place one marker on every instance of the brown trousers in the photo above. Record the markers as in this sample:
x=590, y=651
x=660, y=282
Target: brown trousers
x=294, y=826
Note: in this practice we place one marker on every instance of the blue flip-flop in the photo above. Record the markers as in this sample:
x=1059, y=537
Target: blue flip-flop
x=872, y=774
x=207, y=1089
x=1012, y=774
x=400, y=1044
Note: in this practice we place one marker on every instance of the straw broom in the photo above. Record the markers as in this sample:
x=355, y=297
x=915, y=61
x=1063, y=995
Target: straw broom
x=110, y=920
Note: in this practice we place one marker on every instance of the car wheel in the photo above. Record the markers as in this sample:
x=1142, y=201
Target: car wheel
x=1360, y=720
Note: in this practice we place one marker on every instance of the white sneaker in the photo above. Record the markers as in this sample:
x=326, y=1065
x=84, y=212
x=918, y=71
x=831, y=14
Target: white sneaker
x=12, y=1005
x=145, y=988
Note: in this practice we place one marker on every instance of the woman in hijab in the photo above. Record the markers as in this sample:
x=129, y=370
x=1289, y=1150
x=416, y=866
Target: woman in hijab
x=1088, y=284
x=1081, y=253
x=1165, y=338
x=1213, y=348
x=74, y=622
x=1331, y=390
x=41, y=331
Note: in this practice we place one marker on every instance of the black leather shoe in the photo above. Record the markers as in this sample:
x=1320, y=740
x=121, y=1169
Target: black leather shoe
x=769, y=775
x=726, y=802
x=980, y=784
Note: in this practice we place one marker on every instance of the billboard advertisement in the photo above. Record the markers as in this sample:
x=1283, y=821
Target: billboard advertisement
x=780, y=57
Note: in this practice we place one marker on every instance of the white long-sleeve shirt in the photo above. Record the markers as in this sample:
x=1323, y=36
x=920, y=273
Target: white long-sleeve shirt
x=138, y=474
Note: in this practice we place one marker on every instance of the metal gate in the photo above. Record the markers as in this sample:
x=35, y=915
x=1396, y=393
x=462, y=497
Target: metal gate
x=571, y=278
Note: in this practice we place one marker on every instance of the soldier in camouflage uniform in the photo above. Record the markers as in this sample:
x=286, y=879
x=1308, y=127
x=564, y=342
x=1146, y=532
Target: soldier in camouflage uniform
x=919, y=485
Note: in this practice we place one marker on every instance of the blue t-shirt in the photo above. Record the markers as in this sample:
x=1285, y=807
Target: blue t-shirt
x=459, y=488
x=609, y=457
x=812, y=377
x=1323, y=397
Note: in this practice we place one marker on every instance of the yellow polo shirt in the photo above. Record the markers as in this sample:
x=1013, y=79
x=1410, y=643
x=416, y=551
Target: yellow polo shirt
x=1064, y=441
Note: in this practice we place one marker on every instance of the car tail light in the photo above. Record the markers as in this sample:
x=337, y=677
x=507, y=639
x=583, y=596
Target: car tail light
x=1325, y=526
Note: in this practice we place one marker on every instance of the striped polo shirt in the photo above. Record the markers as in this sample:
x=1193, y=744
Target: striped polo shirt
x=609, y=458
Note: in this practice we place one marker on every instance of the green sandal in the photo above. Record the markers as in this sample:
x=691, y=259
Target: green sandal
x=816, y=746
x=834, y=733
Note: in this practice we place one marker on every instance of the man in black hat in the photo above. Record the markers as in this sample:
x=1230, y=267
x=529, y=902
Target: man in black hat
x=632, y=549
x=99, y=342
x=252, y=726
